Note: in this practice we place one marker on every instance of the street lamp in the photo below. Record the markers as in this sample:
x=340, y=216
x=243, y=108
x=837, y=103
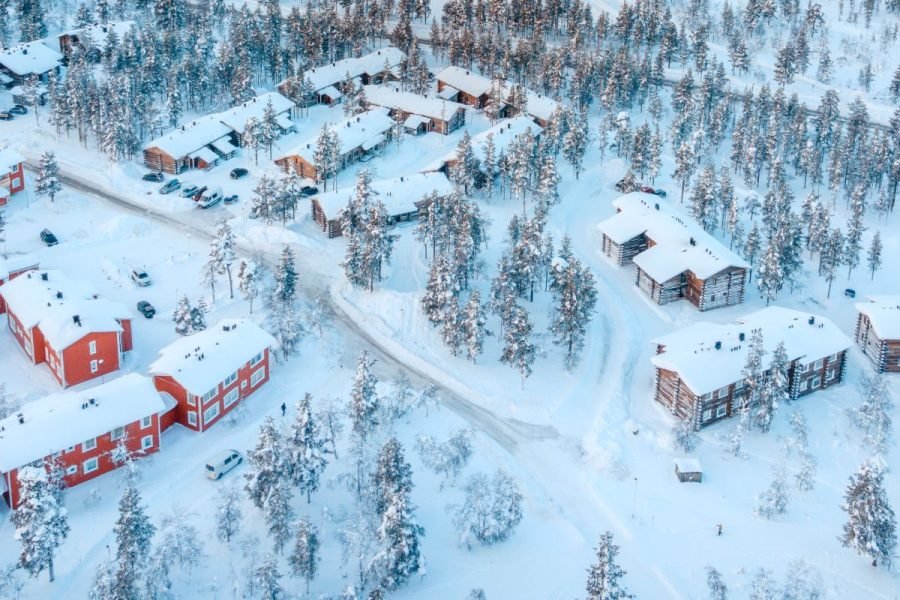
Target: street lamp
x=189, y=244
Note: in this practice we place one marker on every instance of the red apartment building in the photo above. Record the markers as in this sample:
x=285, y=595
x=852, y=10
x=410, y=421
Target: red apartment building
x=12, y=173
x=12, y=267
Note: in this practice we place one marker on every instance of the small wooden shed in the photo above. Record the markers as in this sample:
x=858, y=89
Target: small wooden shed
x=688, y=469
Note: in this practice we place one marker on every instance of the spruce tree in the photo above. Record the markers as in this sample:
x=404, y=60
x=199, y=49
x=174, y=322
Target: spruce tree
x=575, y=298
x=717, y=588
x=47, y=182
x=472, y=325
x=519, y=351
x=266, y=466
x=306, y=449
x=874, y=257
x=134, y=533
x=605, y=574
x=41, y=521
x=266, y=579
x=304, y=560
x=182, y=317
x=871, y=528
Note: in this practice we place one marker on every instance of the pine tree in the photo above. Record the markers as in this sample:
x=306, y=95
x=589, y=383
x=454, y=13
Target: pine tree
x=304, y=560
x=472, y=325
x=249, y=281
x=441, y=292
x=266, y=467
x=685, y=434
x=519, y=350
x=873, y=415
x=575, y=298
x=871, y=528
x=47, y=182
x=685, y=164
x=855, y=228
x=182, y=317
x=278, y=513
x=134, y=533
x=874, y=257
x=285, y=290
x=266, y=579
x=575, y=141
x=306, y=449
x=41, y=521
x=762, y=587
x=831, y=256
x=773, y=501
x=364, y=412
x=604, y=575
x=222, y=254
x=228, y=513
x=717, y=588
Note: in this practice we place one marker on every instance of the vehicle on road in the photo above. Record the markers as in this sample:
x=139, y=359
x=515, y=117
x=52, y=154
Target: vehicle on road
x=146, y=309
x=48, y=238
x=170, y=186
x=238, y=173
x=222, y=463
x=211, y=198
x=199, y=193
x=189, y=190
x=18, y=109
x=850, y=293
x=309, y=190
x=231, y=199
x=655, y=191
x=140, y=277
x=154, y=177
x=5, y=116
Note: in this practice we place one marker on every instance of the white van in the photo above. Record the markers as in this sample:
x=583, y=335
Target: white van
x=222, y=463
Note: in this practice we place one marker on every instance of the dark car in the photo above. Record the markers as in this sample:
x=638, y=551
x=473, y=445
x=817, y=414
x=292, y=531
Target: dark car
x=238, y=173
x=231, y=199
x=170, y=186
x=18, y=109
x=850, y=293
x=48, y=238
x=146, y=309
x=309, y=190
x=5, y=116
x=154, y=177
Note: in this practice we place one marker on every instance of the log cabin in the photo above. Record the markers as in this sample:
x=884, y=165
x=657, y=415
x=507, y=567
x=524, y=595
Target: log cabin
x=327, y=81
x=209, y=373
x=91, y=40
x=364, y=134
x=12, y=174
x=699, y=368
x=78, y=432
x=30, y=59
x=402, y=197
x=420, y=114
x=674, y=257
x=65, y=325
x=878, y=332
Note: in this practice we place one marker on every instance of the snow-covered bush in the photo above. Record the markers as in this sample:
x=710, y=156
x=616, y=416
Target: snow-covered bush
x=447, y=458
x=491, y=510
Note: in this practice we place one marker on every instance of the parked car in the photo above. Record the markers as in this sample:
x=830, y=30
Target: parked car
x=188, y=191
x=154, y=177
x=140, y=277
x=170, y=186
x=146, y=309
x=238, y=173
x=222, y=463
x=655, y=191
x=211, y=198
x=5, y=116
x=309, y=190
x=850, y=293
x=231, y=199
x=199, y=193
x=48, y=238
x=18, y=109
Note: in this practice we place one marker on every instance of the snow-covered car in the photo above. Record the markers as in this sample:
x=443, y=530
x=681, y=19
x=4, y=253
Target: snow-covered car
x=850, y=293
x=48, y=238
x=18, y=109
x=140, y=277
x=238, y=173
x=170, y=186
x=189, y=190
x=153, y=177
x=222, y=463
x=146, y=309
x=231, y=199
x=211, y=198
x=5, y=116
x=309, y=190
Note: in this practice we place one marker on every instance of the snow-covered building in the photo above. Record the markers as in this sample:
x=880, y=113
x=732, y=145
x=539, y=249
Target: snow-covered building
x=878, y=331
x=699, y=368
x=674, y=256
x=12, y=174
x=29, y=59
x=80, y=432
x=13, y=266
x=92, y=39
x=360, y=135
x=327, y=81
x=212, y=371
x=419, y=113
x=64, y=324
x=504, y=134
x=402, y=196
x=203, y=142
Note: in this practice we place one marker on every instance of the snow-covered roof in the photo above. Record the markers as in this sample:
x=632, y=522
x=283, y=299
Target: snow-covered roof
x=538, y=105
x=370, y=64
x=415, y=121
x=16, y=263
x=448, y=92
x=465, y=80
x=30, y=58
x=5, y=79
x=428, y=106
x=9, y=158
x=201, y=361
x=399, y=195
x=236, y=118
x=884, y=314
x=190, y=136
x=504, y=132
x=224, y=145
x=62, y=420
x=680, y=243
x=95, y=35
x=353, y=132
x=205, y=154
x=691, y=351
x=687, y=465
x=52, y=303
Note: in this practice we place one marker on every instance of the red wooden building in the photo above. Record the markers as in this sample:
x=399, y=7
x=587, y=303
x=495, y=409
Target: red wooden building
x=12, y=267
x=212, y=371
x=699, y=368
x=12, y=173
x=79, y=431
x=60, y=322
x=878, y=331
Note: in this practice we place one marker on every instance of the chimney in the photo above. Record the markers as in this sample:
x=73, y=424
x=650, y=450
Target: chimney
x=718, y=345
x=77, y=320
x=44, y=276
x=59, y=295
x=812, y=320
x=693, y=242
x=91, y=401
x=741, y=336
x=21, y=418
x=24, y=50
x=657, y=206
x=401, y=178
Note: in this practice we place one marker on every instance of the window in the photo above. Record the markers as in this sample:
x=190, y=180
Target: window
x=146, y=442
x=210, y=395
x=230, y=379
x=91, y=465
x=818, y=364
x=211, y=413
x=829, y=375
x=231, y=397
x=707, y=414
x=192, y=400
x=72, y=470
x=244, y=383
x=816, y=382
x=146, y=422
x=723, y=392
x=117, y=433
x=256, y=359
x=88, y=444
x=70, y=449
x=93, y=366
x=805, y=385
x=92, y=348
x=257, y=376
x=57, y=454
x=721, y=410
x=192, y=418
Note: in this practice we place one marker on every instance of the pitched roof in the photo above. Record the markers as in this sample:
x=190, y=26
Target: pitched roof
x=691, y=351
x=61, y=420
x=236, y=118
x=465, y=80
x=418, y=104
x=9, y=158
x=201, y=361
x=53, y=303
x=399, y=195
x=16, y=263
x=353, y=132
x=681, y=244
x=884, y=314
x=30, y=58
x=505, y=132
x=336, y=72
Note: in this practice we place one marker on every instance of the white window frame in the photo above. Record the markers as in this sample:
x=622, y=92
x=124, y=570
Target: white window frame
x=721, y=411
x=707, y=415
x=192, y=399
x=231, y=397
x=88, y=445
x=87, y=465
x=70, y=449
x=722, y=393
x=117, y=434
x=244, y=383
x=804, y=385
x=192, y=417
x=71, y=470
x=256, y=359
x=211, y=413
x=146, y=422
x=257, y=376
x=146, y=442
x=210, y=395
x=94, y=366
x=830, y=374
x=818, y=364
x=229, y=380
x=816, y=383
x=92, y=347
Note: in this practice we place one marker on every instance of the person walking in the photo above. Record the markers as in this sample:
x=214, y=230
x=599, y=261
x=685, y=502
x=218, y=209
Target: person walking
x=284, y=410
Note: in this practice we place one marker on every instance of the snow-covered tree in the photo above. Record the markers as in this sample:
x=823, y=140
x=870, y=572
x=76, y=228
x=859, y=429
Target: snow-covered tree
x=180, y=546
x=228, y=512
x=304, y=560
x=306, y=449
x=762, y=587
x=874, y=256
x=685, y=434
x=575, y=298
x=575, y=141
x=250, y=283
x=472, y=325
x=41, y=521
x=871, y=528
x=773, y=501
x=773, y=389
x=604, y=575
x=8, y=403
x=266, y=466
x=279, y=514
x=47, y=182
x=134, y=534
x=802, y=582
x=491, y=509
x=873, y=415
x=717, y=588
x=266, y=579
x=519, y=350
x=198, y=316
x=447, y=458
